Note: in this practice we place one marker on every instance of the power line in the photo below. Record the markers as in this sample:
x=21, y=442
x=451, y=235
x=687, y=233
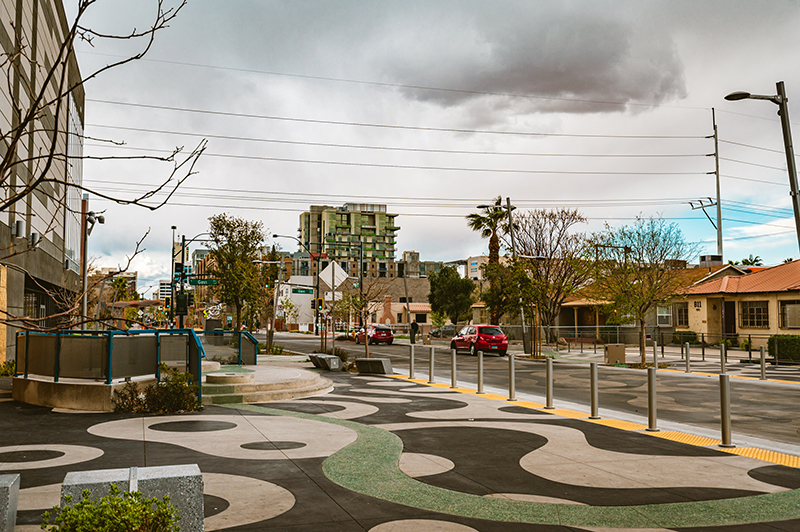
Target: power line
x=405, y=166
x=387, y=148
x=752, y=164
x=750, y=146
x=752, y=180
x=389, y=126
x=403, y=86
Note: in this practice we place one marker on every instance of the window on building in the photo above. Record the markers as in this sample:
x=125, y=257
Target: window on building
x=754, y=314
x=399, y=317
x=664, y=316
x=682, y=314
x=403, y=300
x=790, y=314
x=421, y=318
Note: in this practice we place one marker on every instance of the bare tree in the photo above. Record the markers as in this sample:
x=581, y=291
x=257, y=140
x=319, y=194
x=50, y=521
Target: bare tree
x=42, y=136
x=639, y=266
x=556, y=257
x=367, y=300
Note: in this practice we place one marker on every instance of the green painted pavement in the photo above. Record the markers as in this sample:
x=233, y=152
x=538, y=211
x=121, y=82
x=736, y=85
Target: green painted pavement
x=369, y=466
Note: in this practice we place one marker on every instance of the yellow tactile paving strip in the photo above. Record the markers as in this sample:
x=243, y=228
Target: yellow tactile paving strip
x=691, y=439
x=619, y=424
x=764, y=455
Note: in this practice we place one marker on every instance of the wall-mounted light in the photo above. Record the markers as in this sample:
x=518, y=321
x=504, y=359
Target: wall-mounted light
x=19, y=229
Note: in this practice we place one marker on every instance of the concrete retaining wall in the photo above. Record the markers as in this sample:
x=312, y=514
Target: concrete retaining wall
x=94, y=396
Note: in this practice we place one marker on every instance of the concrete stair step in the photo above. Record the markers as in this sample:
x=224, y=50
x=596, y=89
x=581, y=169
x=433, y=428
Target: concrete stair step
x=226, y=394
x=242, y=388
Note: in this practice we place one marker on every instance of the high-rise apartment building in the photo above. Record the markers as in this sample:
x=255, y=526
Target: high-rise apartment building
x=348, y=233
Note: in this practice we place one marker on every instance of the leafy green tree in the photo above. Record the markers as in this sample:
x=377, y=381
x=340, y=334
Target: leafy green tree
x=752, y=261
x=235, y=244
x=512, y=288
x=557, y=257
x=488, y=223
x=438, y=318
x=451, y=294
x=639, y=266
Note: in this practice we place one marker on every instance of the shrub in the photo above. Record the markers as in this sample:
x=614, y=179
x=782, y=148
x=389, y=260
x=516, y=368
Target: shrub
x=173, y=394
x=7, y=368
x=130, y=512
x=784, y=346
x=681, y=337
x=745, y=345
x=276, y=349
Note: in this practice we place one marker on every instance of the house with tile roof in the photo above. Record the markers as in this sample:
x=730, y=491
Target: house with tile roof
x=756, y=305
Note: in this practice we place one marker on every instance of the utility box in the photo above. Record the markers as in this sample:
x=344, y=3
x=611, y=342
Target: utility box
x=615, y=353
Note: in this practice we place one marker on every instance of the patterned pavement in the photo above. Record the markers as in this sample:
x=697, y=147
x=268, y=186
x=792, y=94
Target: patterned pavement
x=389, y=454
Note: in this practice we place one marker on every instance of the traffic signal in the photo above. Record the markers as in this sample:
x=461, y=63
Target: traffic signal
x=320, y=304
x=191, y=299
x=168, y=302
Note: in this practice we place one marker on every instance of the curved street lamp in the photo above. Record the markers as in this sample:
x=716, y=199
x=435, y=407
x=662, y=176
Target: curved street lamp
x=780, y=100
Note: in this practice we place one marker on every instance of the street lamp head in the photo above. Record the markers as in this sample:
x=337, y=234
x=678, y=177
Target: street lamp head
x=738, y=95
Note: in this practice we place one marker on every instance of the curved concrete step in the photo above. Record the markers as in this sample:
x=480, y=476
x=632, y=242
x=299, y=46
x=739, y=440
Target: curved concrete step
x=215, y=394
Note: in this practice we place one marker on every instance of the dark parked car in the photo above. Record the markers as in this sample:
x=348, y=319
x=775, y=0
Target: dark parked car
x=445, y=331
x=486, y=338
x=376, y=334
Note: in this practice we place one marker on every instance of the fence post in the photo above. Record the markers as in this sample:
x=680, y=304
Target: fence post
x=688, y=359
x=57, y=362
x=480, y=372
x=652, y=413
x=511, y=378
x=722, y=358
x=594, y=392
x=725, y=410
x=110, y=360
x=411, y=362
x=549, y=385
x=453, y=379
x=580, y=340
x=661, y=339
x=749, y=347
x=682, y=349
x=763, y=364
x=27, y=352
x=430, y=369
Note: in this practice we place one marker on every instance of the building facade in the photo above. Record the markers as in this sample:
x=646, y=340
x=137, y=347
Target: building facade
x=40, y=235
x=351, y=234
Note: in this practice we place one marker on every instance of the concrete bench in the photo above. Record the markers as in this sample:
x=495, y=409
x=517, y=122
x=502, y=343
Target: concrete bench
x=183, y=484
x=328, y=362
x=374, y=365
x=9, y=495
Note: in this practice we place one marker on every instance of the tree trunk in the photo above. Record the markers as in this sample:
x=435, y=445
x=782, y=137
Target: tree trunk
x=238, y=306
x=642, y=342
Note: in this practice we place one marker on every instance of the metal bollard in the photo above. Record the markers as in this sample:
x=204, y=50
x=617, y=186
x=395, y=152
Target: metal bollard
x=722, y=359
x=655, y=353
x=688, y=361
x=725, y=410
x=703, y=345
x=411, y=363
x=593, y=384
x=682, y=351
x=453, y=381
x=763, y=364
x=511, y=378
x=480, y=372
x=430, y=378
x=549, y=384
x=652, y=413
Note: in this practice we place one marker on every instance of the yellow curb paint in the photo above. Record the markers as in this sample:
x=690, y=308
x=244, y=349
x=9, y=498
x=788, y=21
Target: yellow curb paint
x=766, y=456
x=619, y=424
x=682, y=437
x=572, y=414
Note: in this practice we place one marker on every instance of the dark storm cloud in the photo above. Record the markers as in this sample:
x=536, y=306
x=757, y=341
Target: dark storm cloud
x=600, y=51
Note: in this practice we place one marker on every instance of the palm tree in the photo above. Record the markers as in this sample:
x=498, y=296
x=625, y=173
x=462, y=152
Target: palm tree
x=488, y=222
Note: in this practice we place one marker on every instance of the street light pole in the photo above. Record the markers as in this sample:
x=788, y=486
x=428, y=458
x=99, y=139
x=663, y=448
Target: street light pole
x=172, y=280
x=316, y=288
x=783, y=111
x=525, y=343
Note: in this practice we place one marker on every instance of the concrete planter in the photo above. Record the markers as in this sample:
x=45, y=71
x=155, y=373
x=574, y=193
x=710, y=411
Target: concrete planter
x=374, y=365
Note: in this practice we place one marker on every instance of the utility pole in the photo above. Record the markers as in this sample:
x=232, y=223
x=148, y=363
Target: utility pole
x=172, y=280
x=525, y=347
x=716, y=172
x=791, y=164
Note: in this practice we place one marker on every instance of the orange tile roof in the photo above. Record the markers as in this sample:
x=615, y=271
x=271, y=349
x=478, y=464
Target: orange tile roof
x=782, y=278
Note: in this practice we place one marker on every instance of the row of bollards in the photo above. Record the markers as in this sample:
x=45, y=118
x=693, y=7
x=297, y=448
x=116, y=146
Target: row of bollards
x=652, y=404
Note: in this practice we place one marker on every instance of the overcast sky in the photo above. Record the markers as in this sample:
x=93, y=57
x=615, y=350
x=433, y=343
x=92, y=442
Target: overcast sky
x=433, y=107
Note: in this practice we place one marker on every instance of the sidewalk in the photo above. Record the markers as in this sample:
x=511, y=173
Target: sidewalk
x=384, y=453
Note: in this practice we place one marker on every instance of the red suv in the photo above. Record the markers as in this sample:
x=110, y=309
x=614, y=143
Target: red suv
x=376, y=334
x=486, y=338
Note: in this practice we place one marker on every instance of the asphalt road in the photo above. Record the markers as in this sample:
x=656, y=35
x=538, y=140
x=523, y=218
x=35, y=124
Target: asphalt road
x=765, y=410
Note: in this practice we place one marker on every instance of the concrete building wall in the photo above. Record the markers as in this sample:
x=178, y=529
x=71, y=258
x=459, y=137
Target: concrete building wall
x=40, y=25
